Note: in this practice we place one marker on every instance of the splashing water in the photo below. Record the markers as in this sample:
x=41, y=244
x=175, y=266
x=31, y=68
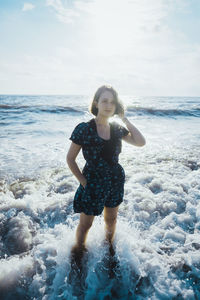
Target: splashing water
x=157, y=238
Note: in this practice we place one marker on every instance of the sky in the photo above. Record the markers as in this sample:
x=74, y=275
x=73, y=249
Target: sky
x=140, y=47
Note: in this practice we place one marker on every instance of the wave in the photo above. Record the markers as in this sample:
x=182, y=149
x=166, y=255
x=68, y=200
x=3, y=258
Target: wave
x=39, y=109
x=131, y=110
x=138, y=110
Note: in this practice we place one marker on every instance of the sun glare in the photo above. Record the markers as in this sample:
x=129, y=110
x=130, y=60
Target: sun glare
x=115, y=28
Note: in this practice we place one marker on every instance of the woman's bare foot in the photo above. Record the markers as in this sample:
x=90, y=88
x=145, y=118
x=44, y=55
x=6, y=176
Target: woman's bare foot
x=111, y=250
x=77, y=253
x=110, y=246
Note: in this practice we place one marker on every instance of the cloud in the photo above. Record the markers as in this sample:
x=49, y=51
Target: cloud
x=65, y=15
x=131, y=44
x=28, y=6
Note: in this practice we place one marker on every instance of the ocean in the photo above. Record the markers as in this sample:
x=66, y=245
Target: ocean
x=157, y=237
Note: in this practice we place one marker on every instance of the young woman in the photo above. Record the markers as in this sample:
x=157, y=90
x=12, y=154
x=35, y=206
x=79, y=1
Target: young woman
x=102, y=178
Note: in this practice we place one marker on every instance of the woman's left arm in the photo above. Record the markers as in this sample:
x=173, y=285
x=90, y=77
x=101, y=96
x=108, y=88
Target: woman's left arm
x=134, y=137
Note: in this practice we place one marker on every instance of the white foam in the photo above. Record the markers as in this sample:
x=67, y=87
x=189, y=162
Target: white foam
x=158, y=227
x=12, y=269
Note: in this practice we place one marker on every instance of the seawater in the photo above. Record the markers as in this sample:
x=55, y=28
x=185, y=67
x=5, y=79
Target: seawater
x=157, y=238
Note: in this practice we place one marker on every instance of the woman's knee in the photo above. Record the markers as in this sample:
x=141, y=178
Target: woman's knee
x=85, y=226
x=110, y=221
x=86, y=221
x=110, y=215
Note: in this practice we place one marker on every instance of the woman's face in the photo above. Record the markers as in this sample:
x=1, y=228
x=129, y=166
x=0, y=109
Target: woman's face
x=106, y=104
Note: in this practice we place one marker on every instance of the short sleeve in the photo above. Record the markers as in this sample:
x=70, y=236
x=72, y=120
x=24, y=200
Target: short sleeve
x=120, y=130
x=123, y=131
x=77, y=135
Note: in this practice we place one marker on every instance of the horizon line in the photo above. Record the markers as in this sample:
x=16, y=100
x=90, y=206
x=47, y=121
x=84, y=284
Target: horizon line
x=90, y=95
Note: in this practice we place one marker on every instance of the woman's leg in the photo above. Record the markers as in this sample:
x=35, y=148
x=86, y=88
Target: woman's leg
x=84, y=225
x=110, y=218
x=79, y=248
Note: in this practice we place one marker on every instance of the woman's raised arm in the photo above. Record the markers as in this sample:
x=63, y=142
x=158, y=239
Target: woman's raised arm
x=134, y=137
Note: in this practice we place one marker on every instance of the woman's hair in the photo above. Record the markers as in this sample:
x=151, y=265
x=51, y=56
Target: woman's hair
x=119, y=106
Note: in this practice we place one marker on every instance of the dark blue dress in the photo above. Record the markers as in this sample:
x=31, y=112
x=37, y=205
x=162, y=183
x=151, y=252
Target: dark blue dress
x=105, y=176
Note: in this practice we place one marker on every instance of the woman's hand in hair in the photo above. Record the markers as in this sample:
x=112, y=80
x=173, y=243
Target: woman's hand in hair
x=134, y=136
x=123, y=118
x=121, y=115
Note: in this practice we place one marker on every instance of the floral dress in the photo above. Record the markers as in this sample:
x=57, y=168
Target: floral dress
x=105, y=176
